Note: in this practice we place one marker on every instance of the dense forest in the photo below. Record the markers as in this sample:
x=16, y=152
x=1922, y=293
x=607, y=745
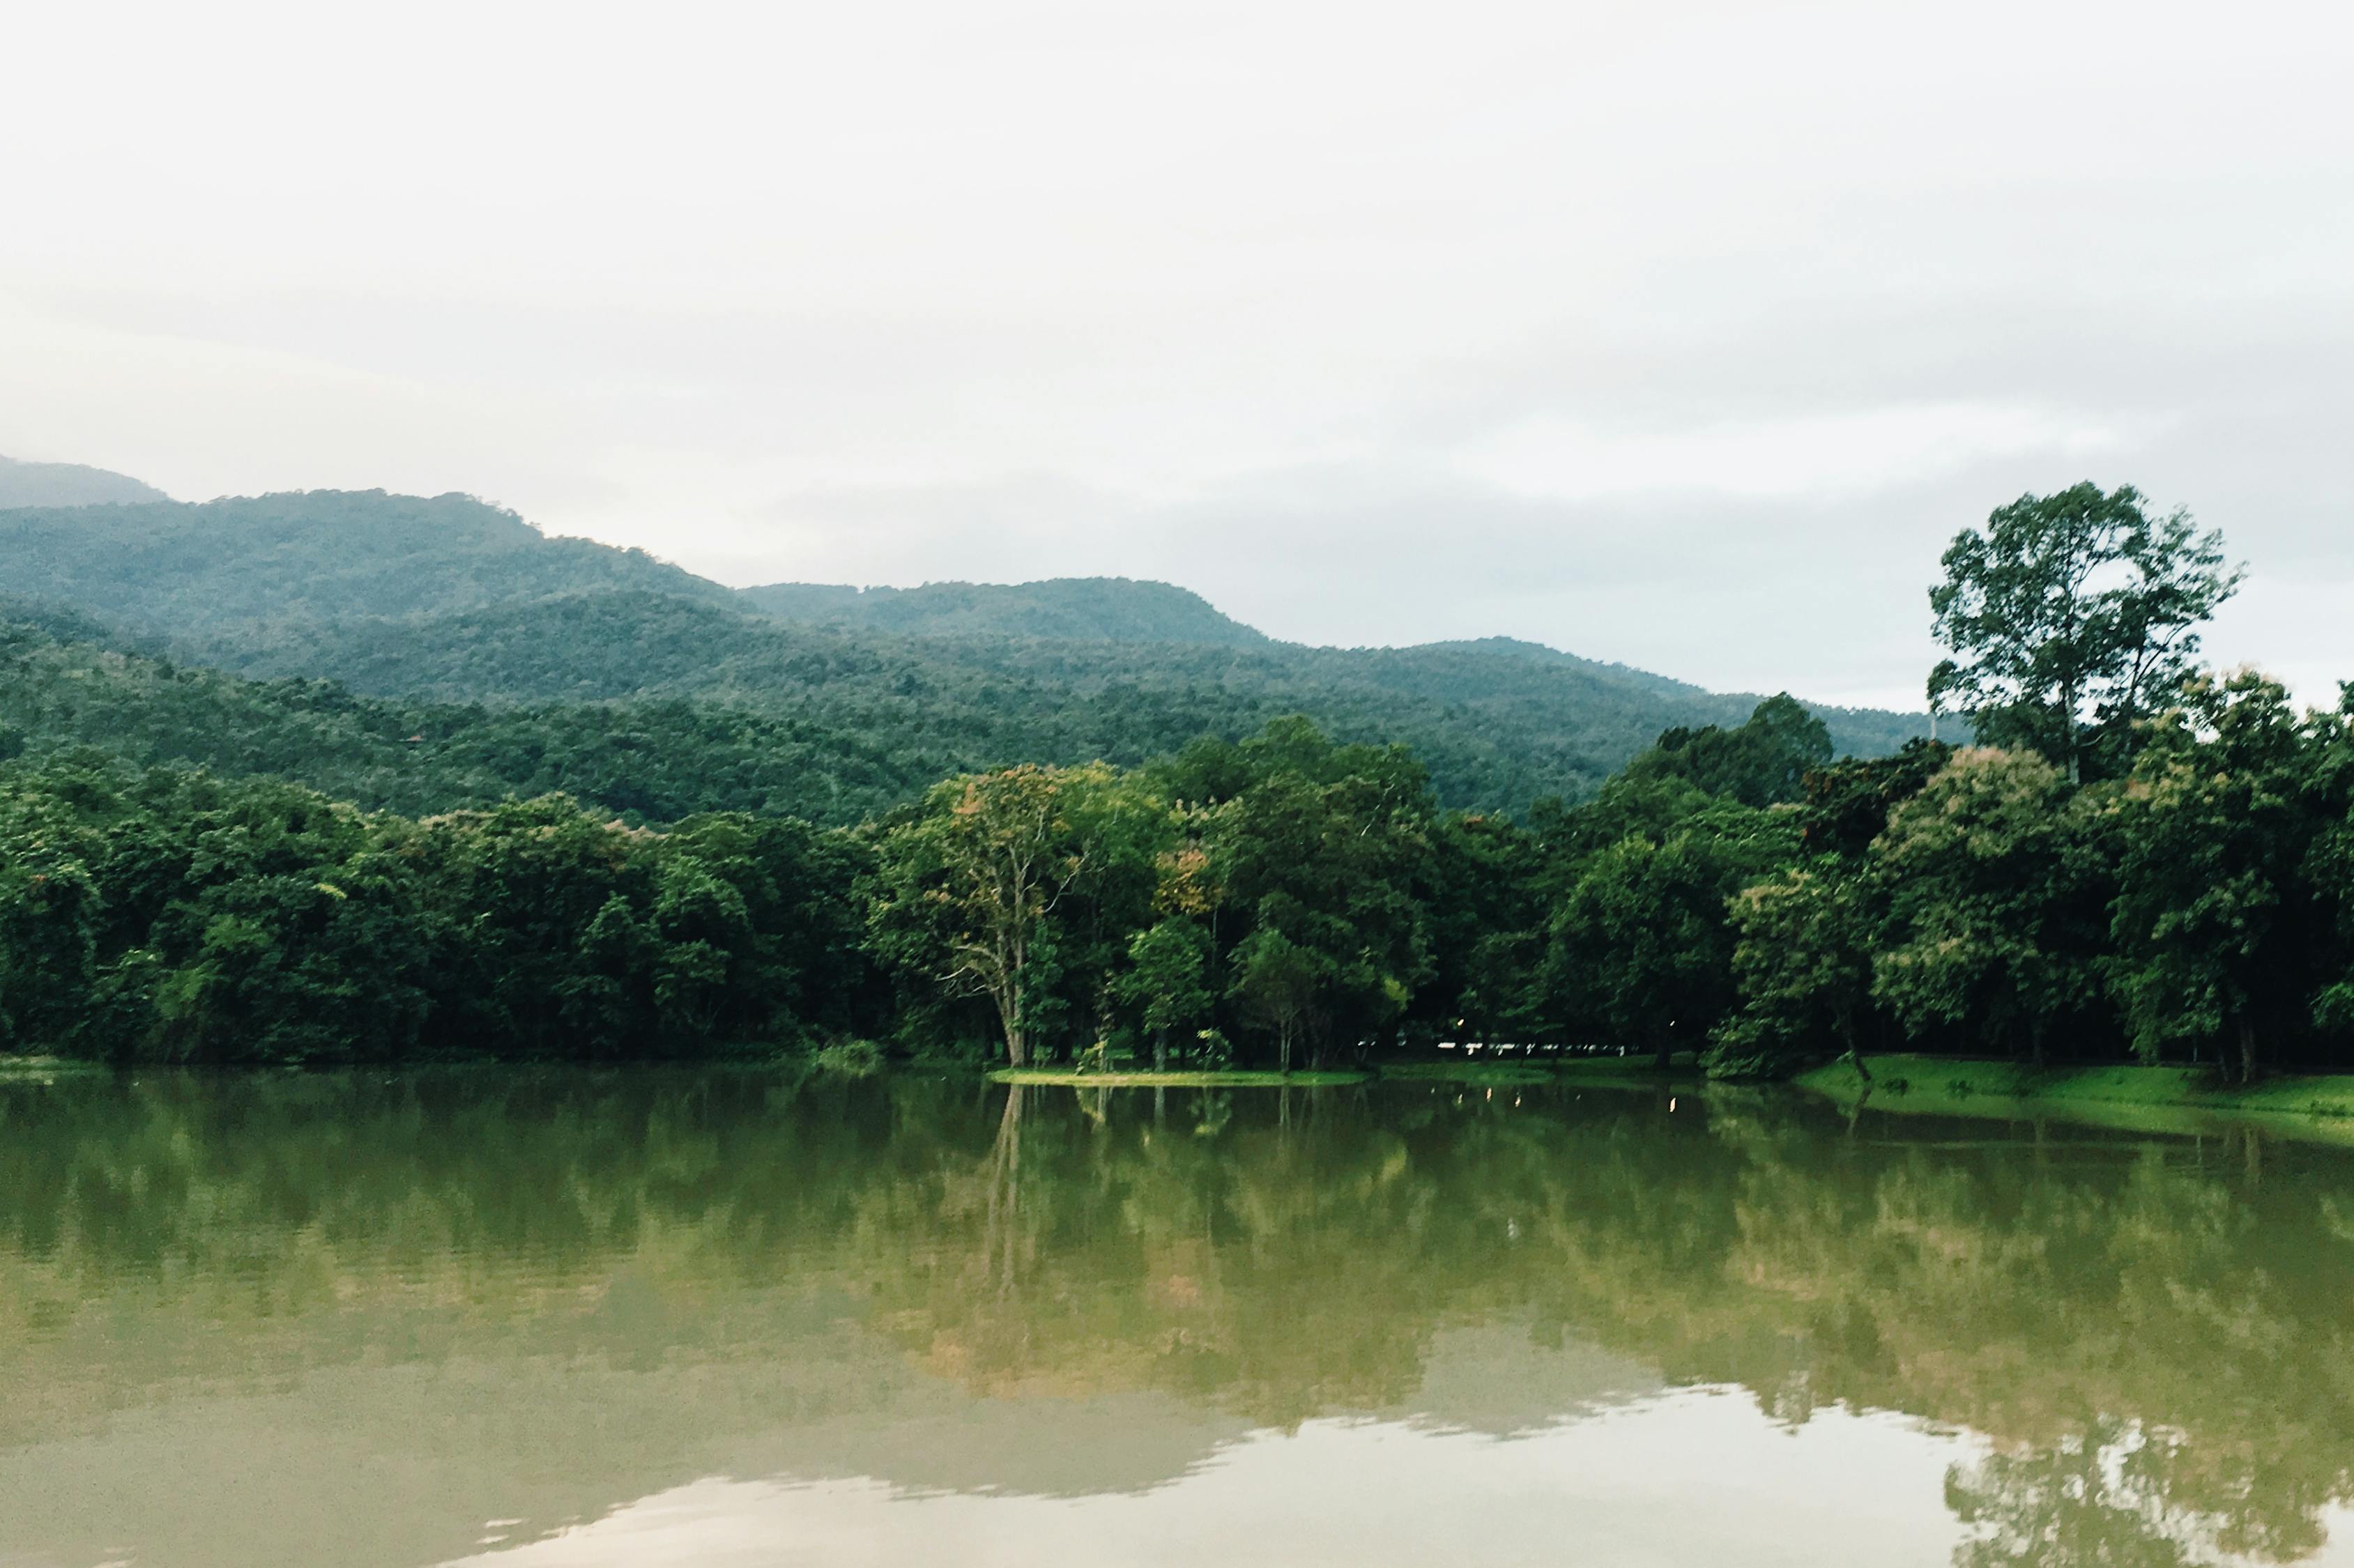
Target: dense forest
x=2140, y=858
x=452, y=603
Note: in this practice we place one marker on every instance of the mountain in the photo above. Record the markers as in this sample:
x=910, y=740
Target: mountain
x=1086, y=610
x=225, y=578
x=448, y=607
x=69, y=484
x=646, y=762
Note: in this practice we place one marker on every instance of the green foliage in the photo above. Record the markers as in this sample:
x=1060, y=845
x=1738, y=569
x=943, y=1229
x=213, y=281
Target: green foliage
x=2069, y=616
x=2216, y=831
x=655, y=760
x=1167, y=980
x=1847, y=804
x=449, y=603
x=176, y=916
x=1802, y=970
x=1764, y=762
x=1997, y=880
x=1643, y=947
x=559, y=801
x=974, y=886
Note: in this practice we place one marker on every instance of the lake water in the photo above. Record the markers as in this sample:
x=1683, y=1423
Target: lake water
x=516, y=1318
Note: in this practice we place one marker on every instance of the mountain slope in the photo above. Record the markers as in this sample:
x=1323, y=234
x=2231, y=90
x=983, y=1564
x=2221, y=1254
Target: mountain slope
x=656, y=760
x=1097, y=610
x=69, y=484
x=227, y=576
x=449, y=602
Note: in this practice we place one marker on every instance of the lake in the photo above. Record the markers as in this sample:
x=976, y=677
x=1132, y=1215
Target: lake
x=535, y=1318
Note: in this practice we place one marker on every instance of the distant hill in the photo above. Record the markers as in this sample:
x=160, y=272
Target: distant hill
x=69, y=484
x=656, y=760
x=224, y=579
x=449, y=602
x=1095, y=609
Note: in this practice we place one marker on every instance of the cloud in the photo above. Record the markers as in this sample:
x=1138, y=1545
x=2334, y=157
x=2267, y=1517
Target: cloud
x=1681, y=333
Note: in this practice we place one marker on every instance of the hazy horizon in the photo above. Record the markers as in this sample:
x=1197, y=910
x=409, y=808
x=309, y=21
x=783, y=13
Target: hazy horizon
x=1680, y=336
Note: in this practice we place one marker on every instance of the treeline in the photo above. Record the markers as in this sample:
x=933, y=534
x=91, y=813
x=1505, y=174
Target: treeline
x=1286, y=901
x=169, y=915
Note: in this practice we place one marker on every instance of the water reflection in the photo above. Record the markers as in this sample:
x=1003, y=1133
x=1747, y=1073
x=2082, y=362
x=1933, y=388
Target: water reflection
x=568, y=1318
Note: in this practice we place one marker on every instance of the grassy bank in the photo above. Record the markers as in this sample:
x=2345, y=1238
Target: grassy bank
x=41, y=1069
x=1623, y=1070
x=1637, y=1072
x=1065, y=1077
x=2155, y=1098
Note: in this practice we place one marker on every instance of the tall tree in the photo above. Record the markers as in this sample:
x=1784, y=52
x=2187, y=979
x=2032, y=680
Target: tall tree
x=972, y=880
x=2068, y=616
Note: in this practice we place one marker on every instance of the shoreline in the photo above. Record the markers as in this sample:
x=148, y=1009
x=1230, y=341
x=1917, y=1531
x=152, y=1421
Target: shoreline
x=1624, y=1072
x=2152, y=1099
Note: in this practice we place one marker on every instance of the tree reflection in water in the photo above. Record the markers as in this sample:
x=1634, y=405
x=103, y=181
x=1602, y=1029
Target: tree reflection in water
x=2149, y=1334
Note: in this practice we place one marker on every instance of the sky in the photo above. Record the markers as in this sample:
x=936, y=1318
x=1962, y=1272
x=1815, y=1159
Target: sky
x=1674, y=332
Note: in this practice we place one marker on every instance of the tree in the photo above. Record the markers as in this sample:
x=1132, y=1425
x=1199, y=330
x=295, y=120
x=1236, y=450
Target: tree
x=1997, y=884
x=1277, y=980
x=2215, y=835
x=1643, y=947
x=971, y=882
x=1167, y=980
x=2069, y=615
x=1760, y=763
x=1329, y=847
x=1802, y=969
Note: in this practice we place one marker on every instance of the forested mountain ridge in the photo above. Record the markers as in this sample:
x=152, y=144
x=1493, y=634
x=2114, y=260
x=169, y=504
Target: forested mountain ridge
x=1083, y=609
x=222, y=579
x=69, y=484
x=448, y=601
x=654, y=760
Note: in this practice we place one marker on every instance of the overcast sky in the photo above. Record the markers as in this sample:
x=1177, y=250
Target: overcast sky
x=1678, y=334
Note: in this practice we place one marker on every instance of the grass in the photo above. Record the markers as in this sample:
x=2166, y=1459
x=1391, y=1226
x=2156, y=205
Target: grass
x=1489, y=1073
x=1636, y=1070
x=1066, y=1077
x=2151, y=1099
x=44, y=1069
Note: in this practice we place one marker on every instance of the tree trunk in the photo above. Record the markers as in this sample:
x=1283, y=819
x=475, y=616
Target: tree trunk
x=2247, y=1049
x=1666, y=1050
x=1008, y=997
x=1161, y=1050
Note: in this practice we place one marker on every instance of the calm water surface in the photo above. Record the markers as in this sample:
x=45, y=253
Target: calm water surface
x=523, y=1319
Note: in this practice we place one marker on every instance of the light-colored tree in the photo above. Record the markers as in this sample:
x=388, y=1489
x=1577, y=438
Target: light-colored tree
x=970, y=885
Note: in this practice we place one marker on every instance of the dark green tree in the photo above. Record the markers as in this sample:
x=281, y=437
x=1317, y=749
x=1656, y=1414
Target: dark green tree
x=2215, y=833
x=1996, y=879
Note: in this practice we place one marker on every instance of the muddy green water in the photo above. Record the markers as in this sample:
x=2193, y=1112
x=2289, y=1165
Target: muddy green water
x=516, y=1318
